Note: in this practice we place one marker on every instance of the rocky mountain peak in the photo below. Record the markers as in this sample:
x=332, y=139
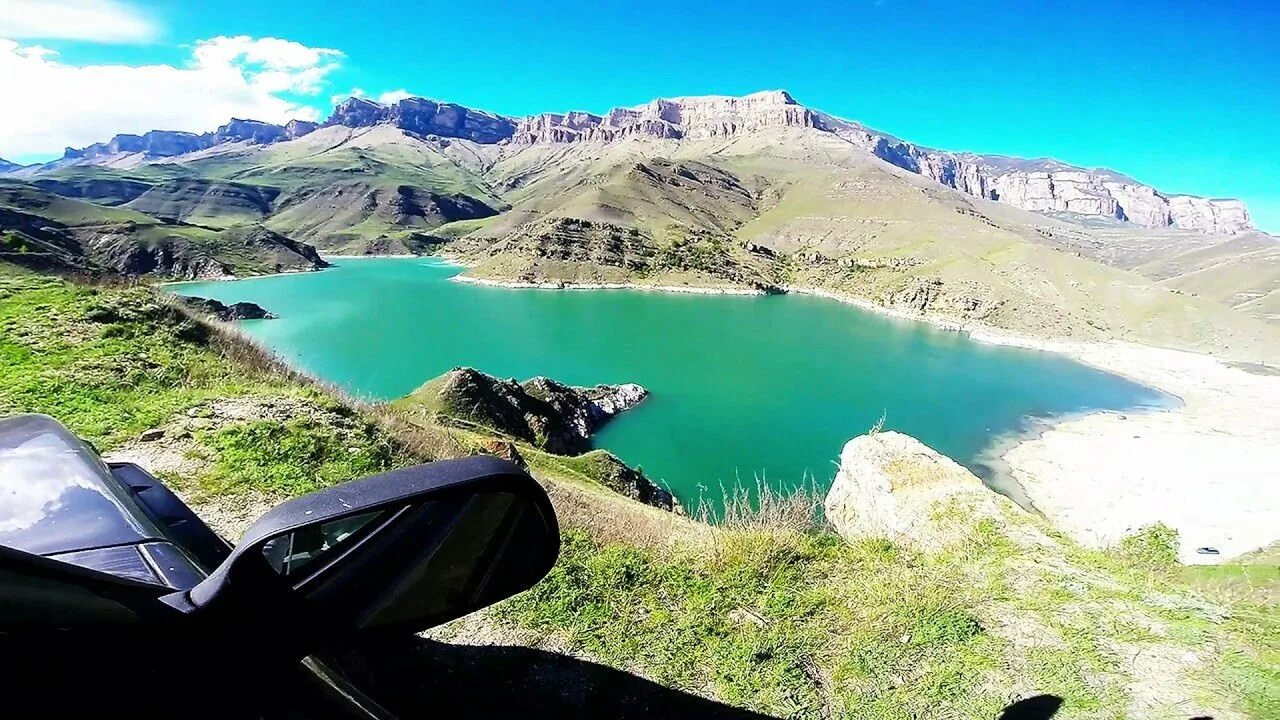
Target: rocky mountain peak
x=171, y=143
x=424, y=117
x=254, y=131
x=693, y=118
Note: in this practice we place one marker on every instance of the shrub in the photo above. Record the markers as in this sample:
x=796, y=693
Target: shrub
x=1154, y=547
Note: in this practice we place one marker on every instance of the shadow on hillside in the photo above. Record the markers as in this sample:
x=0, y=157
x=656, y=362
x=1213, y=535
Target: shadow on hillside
x=425, y=678
x=433, y=679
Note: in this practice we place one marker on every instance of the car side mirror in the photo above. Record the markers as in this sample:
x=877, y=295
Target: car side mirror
x=401, y=551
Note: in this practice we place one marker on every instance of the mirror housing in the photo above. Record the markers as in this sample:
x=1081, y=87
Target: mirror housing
x=402, y=551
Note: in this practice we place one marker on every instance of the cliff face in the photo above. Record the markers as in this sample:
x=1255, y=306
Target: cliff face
x=1050, y=186
x=171, y=143
x=678, y=118
x=424, y=117
x=1035, y=185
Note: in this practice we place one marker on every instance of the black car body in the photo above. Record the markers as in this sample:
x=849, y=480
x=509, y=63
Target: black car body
x=115, y=596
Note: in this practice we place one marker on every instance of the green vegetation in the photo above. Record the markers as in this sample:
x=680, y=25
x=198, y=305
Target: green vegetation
x=1153, y=548
x=294, y=457
x=799, y=626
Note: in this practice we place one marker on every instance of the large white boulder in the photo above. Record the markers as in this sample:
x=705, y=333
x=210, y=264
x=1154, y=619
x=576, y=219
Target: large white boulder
x=892, y=485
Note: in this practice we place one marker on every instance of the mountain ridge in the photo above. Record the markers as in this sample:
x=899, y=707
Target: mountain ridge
x=1041, y=185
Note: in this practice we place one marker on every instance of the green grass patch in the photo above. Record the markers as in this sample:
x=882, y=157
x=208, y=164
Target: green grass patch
x=294, y=457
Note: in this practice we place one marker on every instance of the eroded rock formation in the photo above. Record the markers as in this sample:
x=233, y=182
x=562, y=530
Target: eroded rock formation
x=551, y=415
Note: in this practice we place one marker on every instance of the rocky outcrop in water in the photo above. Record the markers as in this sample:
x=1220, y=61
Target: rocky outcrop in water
x=556, y=417
x=891, y=485
x=224, y=312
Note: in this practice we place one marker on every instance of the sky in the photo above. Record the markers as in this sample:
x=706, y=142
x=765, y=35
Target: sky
x=1184, y=96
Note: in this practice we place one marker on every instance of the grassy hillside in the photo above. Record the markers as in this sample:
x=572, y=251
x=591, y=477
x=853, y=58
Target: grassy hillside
x=768, y=612
x=41, y=229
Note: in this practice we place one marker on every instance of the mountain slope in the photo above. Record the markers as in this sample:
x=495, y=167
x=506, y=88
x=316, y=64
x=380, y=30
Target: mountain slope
x=50, y=232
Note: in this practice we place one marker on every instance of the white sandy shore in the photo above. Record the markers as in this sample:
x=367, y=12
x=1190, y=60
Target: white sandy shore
x=1209, y=468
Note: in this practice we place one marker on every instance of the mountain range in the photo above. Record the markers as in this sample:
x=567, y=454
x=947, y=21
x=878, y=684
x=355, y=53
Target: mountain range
x=1041, y=185
x=756, y=191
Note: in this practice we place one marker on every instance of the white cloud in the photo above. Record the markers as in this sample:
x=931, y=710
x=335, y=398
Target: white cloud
x=394, y=96
x=54, y=105
x=355, y=92
x=97, y=20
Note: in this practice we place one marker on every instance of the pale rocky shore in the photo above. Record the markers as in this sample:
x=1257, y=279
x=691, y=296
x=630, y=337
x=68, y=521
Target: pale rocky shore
x=1209, y=468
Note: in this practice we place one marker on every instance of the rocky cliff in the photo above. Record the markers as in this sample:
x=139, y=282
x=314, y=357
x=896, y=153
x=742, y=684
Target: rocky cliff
x=172, y=143
x=891, y=485
x=553, y=416
x=1049, y=186
x=678, y=118
x=1035, y=185
x=424, y=117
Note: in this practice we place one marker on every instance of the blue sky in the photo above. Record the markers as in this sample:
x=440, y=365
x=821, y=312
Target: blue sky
x=1182, y=95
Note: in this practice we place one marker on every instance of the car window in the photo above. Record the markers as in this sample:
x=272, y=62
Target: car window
x=290, y=553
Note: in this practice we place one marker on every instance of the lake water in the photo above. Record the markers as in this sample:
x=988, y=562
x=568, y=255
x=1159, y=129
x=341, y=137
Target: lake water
x=743, y=387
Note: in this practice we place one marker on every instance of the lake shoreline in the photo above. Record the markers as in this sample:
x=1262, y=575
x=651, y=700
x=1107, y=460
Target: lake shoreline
x=1199, y=467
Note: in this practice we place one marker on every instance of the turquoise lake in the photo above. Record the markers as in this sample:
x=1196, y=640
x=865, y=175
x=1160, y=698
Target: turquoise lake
x=743, y=387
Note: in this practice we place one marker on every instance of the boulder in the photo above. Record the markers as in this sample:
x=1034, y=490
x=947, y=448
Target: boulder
x=893, y=486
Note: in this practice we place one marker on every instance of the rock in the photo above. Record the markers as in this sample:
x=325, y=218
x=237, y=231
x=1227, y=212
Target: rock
x=624, y=480
x=1046, y=185
x=893, y=486
x=151, y=435
x=919, y=294
x=506, y=450
x=424, y=117
x=710, y=116
x=556, y=417
x=226, y=313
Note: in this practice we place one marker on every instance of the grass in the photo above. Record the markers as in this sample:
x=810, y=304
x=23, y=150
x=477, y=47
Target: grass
x=798, y=625
x=294, y=457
